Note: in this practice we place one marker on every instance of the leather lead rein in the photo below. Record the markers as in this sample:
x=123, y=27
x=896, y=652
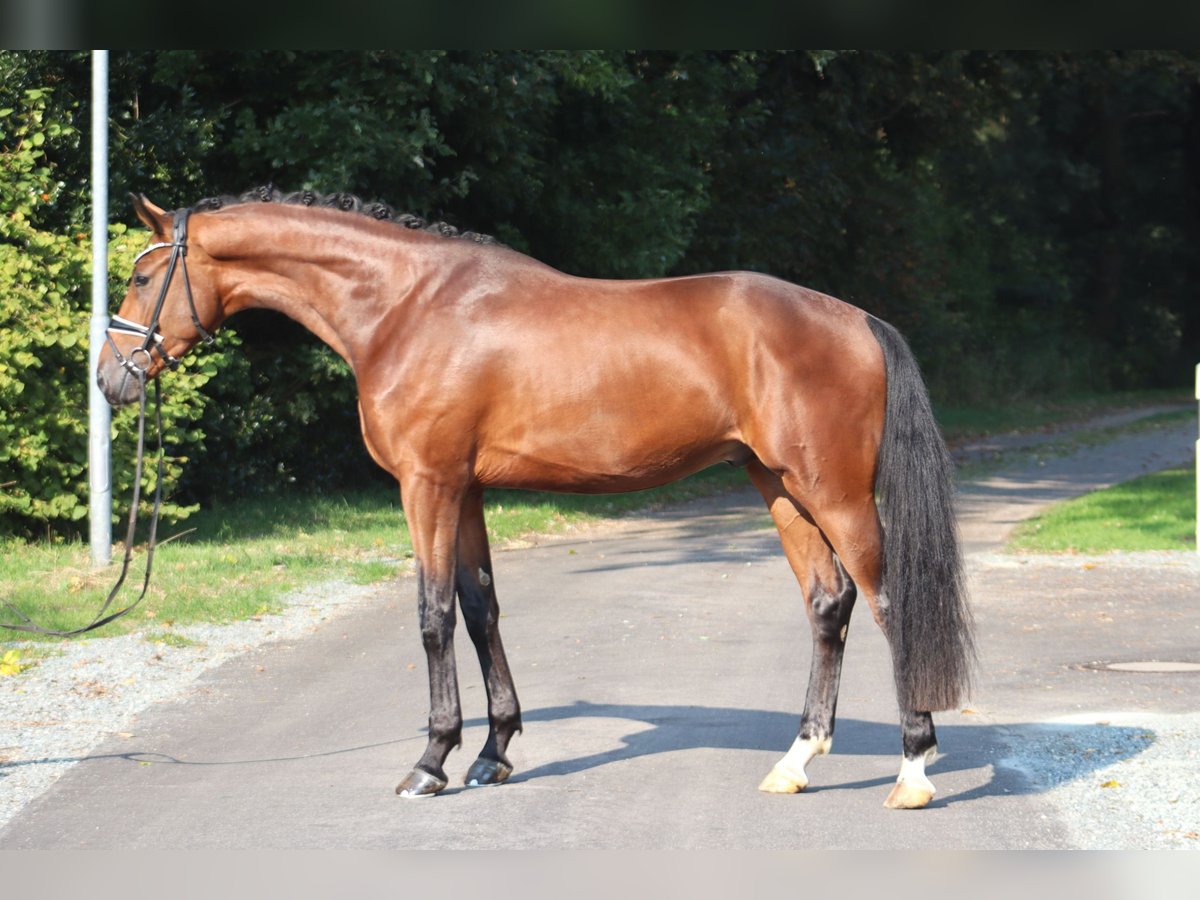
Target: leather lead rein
x=27, y=624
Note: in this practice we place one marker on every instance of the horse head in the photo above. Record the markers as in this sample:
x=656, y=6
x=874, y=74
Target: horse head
x=167, y=310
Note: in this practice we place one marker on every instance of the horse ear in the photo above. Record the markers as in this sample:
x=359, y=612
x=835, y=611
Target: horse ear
x=152, y=216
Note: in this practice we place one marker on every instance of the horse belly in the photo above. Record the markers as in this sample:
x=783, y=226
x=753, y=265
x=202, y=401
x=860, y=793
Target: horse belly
x=591, y=446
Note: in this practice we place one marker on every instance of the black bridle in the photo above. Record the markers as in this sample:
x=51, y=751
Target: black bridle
x=153, y=341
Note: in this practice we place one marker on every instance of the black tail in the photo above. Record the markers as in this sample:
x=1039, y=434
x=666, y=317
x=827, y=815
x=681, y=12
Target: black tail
x=929, y=624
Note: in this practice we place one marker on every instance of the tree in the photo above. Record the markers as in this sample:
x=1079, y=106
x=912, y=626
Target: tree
x=1026, y=219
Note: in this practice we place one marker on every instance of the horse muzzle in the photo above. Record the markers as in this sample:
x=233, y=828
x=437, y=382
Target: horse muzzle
x=118, y=382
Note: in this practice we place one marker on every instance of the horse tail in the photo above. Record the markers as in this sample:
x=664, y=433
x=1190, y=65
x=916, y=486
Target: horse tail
x=928, y=622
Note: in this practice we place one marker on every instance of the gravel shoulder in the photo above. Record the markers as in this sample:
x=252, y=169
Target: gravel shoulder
x=53, y=714
x=1139, y=789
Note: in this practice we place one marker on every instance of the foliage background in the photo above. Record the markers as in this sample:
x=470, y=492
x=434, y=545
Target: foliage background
x=1027, y=219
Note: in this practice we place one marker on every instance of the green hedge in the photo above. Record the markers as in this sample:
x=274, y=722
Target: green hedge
x=44, y=323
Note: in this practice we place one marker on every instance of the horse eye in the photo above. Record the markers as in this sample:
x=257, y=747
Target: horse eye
x=141, y=280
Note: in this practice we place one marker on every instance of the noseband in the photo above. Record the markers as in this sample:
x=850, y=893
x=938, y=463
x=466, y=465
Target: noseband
x=152, y=340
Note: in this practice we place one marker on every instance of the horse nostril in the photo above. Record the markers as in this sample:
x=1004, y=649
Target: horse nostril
x=110, y=381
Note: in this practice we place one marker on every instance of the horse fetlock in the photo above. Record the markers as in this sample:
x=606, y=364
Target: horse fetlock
x=445, y=727
x=506, y=723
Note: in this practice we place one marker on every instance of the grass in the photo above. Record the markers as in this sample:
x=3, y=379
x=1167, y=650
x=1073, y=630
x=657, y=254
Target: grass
x=242, y=559
x=1155, y=512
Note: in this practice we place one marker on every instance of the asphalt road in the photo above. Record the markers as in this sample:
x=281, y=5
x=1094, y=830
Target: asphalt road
x=661, y=667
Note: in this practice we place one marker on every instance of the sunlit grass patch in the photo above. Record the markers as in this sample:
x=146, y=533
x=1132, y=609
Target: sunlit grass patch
x=1155, y=512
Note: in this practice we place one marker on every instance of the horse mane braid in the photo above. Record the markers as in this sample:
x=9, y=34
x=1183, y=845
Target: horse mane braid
x=346, y=203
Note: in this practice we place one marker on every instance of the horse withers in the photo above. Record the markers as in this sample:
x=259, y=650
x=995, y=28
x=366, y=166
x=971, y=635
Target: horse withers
x=480, y=367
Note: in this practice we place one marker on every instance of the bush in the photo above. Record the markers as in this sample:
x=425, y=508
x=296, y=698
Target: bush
x=44, y=325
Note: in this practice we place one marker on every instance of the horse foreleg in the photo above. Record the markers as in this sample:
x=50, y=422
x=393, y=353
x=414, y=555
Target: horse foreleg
x=829, y=598
x=481, y=613
x=433, y=511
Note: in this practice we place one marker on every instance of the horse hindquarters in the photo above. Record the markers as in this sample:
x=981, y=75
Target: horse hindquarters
x=908, y=566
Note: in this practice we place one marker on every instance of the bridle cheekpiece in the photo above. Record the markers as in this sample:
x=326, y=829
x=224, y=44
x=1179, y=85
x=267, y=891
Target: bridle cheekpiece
x=152, y=339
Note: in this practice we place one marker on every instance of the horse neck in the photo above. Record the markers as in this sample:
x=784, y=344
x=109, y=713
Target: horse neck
x=336, y=274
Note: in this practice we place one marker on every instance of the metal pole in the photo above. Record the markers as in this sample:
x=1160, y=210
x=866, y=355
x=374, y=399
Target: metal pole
x=99, y=412
x=1198, y=468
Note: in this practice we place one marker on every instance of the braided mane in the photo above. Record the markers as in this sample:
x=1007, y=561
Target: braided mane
x=346, y=203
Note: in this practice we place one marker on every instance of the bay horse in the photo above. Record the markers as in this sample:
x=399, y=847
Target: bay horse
x=478, y=366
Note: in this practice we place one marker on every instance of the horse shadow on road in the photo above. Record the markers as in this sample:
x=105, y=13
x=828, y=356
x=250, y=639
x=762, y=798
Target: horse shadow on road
x=1023, y=758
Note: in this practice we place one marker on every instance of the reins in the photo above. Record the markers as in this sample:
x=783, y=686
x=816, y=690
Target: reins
x=27, y=624
x=152, y=341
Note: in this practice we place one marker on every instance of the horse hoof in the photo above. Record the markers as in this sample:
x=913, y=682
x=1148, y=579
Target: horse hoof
x=784, y=781
x=419, y=783
x=909, y=796
x=487, y=771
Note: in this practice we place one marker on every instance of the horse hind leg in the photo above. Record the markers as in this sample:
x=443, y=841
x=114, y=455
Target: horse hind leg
x=856, y=535
x=829, y=596
x=913, y=789
x=481, y=614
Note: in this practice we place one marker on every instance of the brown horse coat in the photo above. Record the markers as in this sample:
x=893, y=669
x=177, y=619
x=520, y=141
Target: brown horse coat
x=480, y=367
